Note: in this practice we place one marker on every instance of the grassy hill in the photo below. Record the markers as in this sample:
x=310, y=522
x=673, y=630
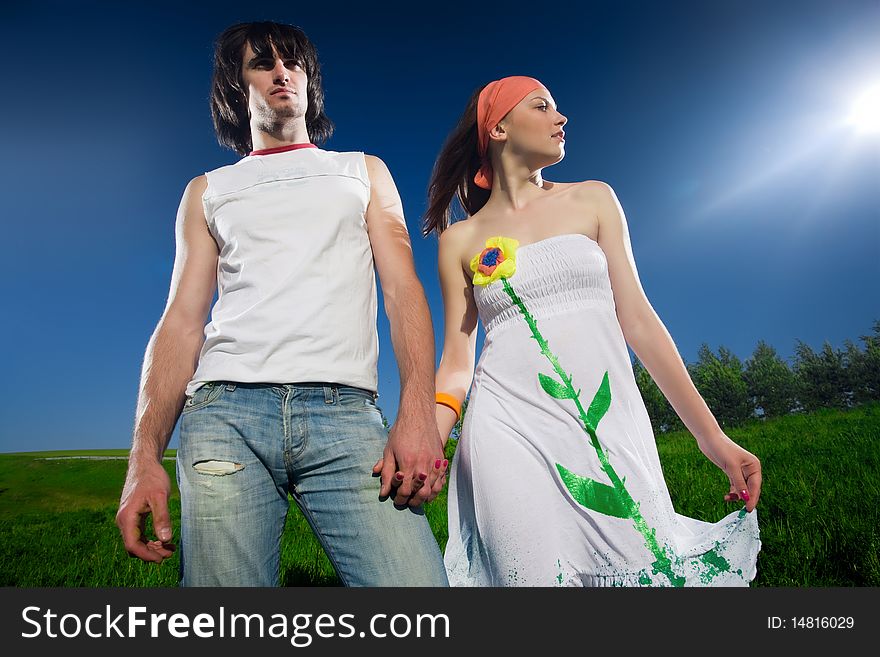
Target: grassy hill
x=818, y=513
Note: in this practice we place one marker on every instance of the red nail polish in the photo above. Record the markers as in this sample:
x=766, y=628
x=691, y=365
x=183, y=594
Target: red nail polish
x=745, y=495
x=422, y=476
x=398, y=476
x=445, y=462
x=437, y=464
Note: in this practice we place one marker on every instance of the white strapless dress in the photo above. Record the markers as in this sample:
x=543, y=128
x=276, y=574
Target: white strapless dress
x=556, y=480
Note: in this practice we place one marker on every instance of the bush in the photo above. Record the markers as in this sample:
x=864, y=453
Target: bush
x=771, y=384
x=719, y=380
x=863, y=367
x=822, y=378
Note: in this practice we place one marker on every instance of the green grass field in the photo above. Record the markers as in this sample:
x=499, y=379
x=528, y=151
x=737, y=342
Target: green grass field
x=818, y=510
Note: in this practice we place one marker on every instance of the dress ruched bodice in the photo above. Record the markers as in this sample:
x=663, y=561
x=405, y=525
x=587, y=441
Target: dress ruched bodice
x=553, y=276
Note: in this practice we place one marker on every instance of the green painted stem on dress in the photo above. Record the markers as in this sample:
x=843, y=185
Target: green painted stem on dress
x=600, y=404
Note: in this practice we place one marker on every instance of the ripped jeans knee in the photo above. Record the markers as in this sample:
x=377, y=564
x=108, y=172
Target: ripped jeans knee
x=217, y=468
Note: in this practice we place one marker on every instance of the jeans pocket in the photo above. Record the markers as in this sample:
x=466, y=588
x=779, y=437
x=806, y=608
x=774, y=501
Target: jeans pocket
x=206, y=395
x=356, y=399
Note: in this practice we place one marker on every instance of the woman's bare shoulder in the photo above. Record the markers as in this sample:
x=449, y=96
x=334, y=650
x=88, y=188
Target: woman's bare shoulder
x=583, y=190
x=592, y=193
x=456, y=232
x=592, y=187
x=460, y=242
x=456, y=237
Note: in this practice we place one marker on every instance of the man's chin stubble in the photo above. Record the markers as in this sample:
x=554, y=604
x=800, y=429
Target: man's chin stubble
x=276, y=120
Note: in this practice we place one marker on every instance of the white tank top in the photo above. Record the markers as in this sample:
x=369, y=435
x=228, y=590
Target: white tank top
x=296, y=283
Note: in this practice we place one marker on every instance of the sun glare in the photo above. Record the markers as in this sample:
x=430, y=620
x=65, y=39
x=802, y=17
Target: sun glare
x=865, y=113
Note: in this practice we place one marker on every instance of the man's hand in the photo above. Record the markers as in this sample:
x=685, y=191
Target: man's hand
x=147, y=488
x=413, y=466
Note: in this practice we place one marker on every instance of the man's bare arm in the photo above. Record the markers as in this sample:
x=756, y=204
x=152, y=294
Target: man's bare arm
x=414, y=442
x=169, y=363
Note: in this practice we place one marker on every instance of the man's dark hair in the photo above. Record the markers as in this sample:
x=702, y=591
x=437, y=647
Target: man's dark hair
x=229, y=106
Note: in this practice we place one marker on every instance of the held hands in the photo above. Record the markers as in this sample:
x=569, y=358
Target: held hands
x=742, y=468
x=413, y=466
x=147, y=488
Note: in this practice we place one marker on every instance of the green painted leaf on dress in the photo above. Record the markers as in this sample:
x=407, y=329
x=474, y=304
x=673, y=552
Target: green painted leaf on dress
x=600, y=404
x=593, y=495
x=553, y=388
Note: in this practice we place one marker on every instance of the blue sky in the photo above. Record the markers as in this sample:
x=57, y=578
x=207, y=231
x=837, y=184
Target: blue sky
x=754, y=210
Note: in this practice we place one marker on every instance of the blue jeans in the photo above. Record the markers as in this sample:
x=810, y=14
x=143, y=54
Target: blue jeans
x=244, y=446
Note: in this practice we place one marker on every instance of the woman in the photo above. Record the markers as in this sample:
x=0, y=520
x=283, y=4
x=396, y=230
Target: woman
x=556, y=479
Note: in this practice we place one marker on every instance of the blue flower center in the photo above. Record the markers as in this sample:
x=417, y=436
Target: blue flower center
x=491, y=257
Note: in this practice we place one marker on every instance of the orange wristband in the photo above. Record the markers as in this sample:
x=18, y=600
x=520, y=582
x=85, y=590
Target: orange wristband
x=449, y=401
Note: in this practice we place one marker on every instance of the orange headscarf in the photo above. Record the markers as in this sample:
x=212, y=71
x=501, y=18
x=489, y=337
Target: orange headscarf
x=496, y=100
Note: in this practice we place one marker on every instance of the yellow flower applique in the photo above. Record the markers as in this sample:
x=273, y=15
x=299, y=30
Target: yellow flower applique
x=497, y=260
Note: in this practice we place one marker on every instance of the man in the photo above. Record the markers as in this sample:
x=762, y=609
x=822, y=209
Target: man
x=276, y=394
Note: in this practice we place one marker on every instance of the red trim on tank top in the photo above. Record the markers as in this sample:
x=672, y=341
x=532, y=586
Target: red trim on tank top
x=281, y=149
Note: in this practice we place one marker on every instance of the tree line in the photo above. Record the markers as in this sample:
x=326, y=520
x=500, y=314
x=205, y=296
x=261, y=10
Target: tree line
x=765, y=386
